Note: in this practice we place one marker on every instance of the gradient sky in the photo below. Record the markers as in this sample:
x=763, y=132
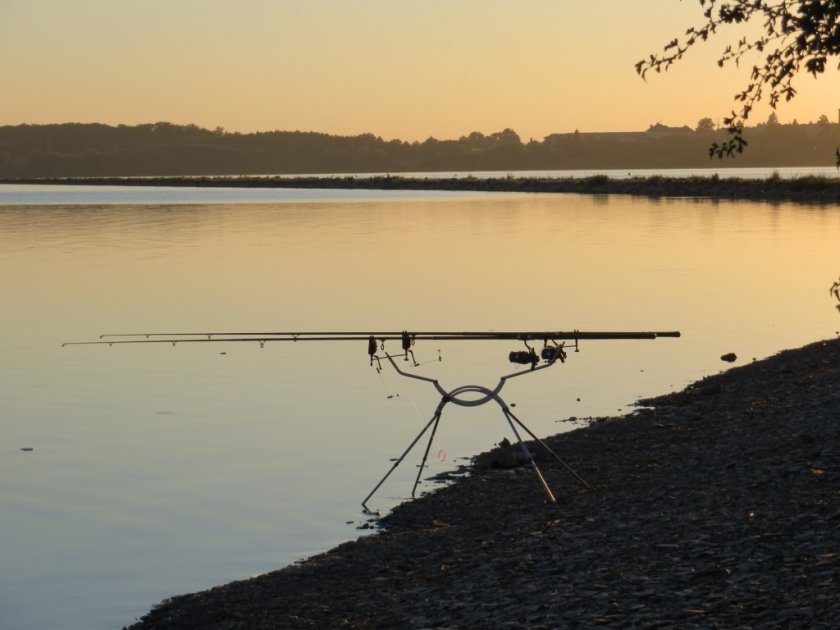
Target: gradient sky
x=405, y=69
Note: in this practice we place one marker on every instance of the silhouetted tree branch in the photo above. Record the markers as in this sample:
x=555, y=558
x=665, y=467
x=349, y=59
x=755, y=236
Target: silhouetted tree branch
x=796, y=35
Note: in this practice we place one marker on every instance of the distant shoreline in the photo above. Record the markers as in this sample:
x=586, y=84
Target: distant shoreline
x=821, y=190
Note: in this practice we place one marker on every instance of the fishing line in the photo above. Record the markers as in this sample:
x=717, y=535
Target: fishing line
x=388, y=394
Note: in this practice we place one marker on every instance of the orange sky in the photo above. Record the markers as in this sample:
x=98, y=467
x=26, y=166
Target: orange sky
x=405, y=69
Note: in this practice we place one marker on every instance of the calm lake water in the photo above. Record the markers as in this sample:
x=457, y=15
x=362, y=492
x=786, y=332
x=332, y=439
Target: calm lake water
x=157, y=470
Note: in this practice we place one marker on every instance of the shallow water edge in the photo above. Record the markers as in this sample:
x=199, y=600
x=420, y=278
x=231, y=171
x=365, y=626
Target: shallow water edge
x=811, y=189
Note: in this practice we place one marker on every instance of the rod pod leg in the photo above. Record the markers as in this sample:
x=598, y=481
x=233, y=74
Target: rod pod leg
x=433, y=420
x=525, y=450
x=426, y=453
x=550, y=450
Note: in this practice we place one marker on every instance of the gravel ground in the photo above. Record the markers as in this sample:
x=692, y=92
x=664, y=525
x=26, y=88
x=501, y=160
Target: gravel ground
x=718, y=506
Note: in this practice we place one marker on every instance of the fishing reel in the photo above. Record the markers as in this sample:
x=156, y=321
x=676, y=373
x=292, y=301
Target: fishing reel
x=549, y=354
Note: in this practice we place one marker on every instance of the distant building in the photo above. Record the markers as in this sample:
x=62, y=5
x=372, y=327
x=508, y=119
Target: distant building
x=654, y=131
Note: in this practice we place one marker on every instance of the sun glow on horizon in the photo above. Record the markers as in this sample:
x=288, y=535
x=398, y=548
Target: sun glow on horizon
x=408, y=70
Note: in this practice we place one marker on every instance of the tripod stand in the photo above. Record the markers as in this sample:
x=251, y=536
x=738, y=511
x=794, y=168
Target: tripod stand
x=455, y=396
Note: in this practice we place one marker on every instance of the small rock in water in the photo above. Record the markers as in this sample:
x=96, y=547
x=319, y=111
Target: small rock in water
x=27, y=448
x=729, y=357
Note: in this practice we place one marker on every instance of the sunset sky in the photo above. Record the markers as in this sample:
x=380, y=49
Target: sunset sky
x=405, y=69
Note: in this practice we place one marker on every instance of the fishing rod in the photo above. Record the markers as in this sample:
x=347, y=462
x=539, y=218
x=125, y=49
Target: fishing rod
x=573, y=334
x=406, y=338
x=555, y=345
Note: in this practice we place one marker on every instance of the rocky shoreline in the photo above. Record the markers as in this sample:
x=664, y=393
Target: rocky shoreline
x=718, y=506
x=801, y=189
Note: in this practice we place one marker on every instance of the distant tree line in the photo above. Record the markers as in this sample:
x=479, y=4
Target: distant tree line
x=90, y=150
